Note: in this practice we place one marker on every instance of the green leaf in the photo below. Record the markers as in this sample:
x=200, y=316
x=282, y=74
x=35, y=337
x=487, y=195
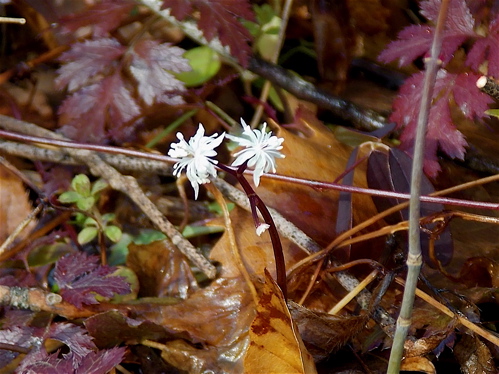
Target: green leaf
x=113, y=233
x=264, y=14
x=215, y=207
x=89, y=221
x=48, y=254
x=69, y=197
x=98, y=186
x=87, y=235
x=85, y=203
x=492, y=112
x=108, y=217
x=119, y=251
x=193, y=231
x=81, y=184
x=147, y=236
x=205, y=64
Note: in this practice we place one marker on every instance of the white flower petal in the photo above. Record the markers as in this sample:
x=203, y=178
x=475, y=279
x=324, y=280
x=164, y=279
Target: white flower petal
x=194, y=157
x=262, y=227
x=261, y=148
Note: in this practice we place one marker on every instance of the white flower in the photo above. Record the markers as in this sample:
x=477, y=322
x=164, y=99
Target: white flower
x=261, y=150
x=195, y=157
x=262, y=227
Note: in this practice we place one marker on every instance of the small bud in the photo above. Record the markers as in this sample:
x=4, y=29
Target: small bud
x=262, y=227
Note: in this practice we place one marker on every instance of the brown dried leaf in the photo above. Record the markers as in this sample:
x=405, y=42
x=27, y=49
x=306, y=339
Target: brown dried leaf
x=217, y=315
x=323, y=333
x=318, y=156
x=14, y=204
x=419, y=364
x=474, y=356
x=256, y=251
x=162, y=270
x=208, y=360
x=276, y=345
x=112, y=328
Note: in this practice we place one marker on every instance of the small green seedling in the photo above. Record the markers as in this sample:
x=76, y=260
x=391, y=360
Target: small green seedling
x=85, y=195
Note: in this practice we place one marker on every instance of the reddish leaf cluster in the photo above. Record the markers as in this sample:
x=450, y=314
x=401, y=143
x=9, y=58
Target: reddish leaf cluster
x=80, y=277
x=451, y=87
x=219, y=18
x=109, y=80
x=83, y=356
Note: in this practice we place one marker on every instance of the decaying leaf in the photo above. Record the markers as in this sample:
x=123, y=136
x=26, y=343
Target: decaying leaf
x=419, y=364
x=226, y=302
x=275, y=343
x=256, y=251
x=317, y=156
x=14, y=204
x=323, y=333
x=474, y=356
x=162, y=270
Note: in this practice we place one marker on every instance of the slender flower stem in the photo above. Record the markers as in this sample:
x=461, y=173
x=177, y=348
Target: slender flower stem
x=414, y=258
x=256, y=202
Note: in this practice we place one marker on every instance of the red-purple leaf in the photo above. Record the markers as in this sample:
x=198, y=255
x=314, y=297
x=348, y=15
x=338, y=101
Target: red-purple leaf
x=459, y=18
x=486, y=49
x=152, y=66
x=80, y=277
x=471, y=101
x=441, y=128
x=95, y=362
x=104, y=17
x=100, y=362
x=219, y=18
x=40, y=362
x=75, y=337
x=87, y=111
x=441, y=131
x=415, y=41
x=16, y=336
x=85, y=60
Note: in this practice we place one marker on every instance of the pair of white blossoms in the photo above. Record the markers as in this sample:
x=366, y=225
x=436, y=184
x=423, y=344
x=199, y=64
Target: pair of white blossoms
x=260, y=151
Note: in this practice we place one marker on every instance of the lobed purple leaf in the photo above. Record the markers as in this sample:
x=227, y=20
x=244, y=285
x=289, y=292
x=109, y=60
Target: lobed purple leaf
x=87, y=111
x=152, y=67
x=87, y=59
x=80, y=277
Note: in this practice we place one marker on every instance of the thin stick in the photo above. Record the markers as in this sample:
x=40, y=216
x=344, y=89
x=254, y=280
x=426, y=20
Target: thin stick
x=414, y=257
x=353, y=293
x=19, y=21
x=494, y=339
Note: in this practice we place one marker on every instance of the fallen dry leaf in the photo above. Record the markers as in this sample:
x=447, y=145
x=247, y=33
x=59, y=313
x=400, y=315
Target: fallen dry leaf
x=419, y=364
x=323, y=333
x=256, y=251
x=474, y=356
x=275, y=343
x=317, y=156
x=162, y=270
x=217, y=315
x=14, y=204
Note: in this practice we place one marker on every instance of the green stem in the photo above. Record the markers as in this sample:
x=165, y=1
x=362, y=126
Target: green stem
x=414, y=258
x=171, y=127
